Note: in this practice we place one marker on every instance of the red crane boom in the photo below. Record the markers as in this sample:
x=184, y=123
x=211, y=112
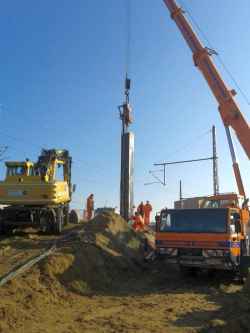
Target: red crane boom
x=228, y=108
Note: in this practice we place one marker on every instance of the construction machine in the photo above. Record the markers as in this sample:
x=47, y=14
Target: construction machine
x=37, y=194
x=209, y=237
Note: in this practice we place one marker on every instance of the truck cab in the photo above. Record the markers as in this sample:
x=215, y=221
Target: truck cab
x=203, y=238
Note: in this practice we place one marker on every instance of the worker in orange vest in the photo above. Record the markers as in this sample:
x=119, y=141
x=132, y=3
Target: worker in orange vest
x=147, y=212
x=140, y=209
x=90, y=206
x=138, y=222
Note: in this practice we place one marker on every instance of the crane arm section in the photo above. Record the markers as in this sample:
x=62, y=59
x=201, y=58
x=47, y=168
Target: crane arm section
x=228, y=108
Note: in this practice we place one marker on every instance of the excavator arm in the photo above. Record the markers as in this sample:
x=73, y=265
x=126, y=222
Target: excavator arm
x=48, y=160
x=228, y=108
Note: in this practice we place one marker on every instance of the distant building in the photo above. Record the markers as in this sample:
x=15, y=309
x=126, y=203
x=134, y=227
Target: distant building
x=189, y=203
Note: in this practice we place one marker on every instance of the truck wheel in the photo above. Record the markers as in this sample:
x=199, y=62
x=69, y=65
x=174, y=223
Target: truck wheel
x=66, y=214
x=1, y=224
x=1, y=228
x=184, y=270
x=244, y=266
x=59, y=221
x=188, y=271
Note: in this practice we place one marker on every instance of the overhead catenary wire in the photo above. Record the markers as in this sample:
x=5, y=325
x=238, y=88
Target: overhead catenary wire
x=204, y=36
x=190, y=143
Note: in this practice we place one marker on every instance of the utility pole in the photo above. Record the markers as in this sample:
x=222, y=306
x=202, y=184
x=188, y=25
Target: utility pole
x=127, y=157
x=215, y=163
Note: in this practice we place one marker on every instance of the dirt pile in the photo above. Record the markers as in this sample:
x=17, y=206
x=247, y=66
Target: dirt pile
x=97, y=283
x=103, y=259
x=107, y=253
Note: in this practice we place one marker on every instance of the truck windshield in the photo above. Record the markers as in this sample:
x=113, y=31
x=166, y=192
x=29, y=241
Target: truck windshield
x=194, y=220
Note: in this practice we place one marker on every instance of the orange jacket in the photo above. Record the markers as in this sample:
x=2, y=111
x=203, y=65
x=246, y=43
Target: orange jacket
x=138, y=219
x=147, y=210
x=138, y=222
x=90, y=203
x=140, y=209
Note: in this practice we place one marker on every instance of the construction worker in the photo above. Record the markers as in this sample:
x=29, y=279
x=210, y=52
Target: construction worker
x=138, y=224
x=90, y=206
x=140, y=209
x=147, y=212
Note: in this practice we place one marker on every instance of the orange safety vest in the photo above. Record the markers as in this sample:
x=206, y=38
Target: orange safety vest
x=147, y=210
x=138, y=222
x=90, y=203
x=140, y=209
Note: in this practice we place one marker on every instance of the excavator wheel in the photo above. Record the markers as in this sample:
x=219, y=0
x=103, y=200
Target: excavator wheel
x=47, y=221
x=66, y=214
x=6, y=229
x=58, y=226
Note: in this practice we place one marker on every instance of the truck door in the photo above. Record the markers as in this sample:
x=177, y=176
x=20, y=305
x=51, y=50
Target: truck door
x=235, y=237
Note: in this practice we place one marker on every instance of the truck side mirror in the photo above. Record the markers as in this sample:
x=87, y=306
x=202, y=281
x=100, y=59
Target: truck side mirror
x=74, y=188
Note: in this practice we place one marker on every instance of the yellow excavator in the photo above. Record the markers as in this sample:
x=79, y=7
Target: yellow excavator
x=37, y=194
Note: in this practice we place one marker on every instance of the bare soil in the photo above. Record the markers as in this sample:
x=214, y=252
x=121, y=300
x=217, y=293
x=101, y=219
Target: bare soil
x=99, y=283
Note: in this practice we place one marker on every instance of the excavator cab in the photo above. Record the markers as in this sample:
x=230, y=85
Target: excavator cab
x=18, y=169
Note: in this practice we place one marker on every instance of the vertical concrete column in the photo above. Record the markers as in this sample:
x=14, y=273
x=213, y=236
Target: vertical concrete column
x=127, y=175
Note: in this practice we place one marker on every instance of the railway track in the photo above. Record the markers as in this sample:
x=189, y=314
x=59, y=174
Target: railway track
x=22, y=253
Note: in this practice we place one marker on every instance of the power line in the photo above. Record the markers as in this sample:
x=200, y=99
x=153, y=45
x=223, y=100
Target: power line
x=190, y=144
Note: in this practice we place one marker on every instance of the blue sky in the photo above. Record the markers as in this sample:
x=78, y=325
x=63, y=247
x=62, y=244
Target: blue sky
x=62, y=71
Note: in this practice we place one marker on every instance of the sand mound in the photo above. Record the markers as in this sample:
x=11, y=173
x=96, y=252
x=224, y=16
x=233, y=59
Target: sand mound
x=105, y=258
x=107, y=254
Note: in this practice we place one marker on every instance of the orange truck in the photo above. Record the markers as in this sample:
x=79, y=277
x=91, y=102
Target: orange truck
x=211, y=238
